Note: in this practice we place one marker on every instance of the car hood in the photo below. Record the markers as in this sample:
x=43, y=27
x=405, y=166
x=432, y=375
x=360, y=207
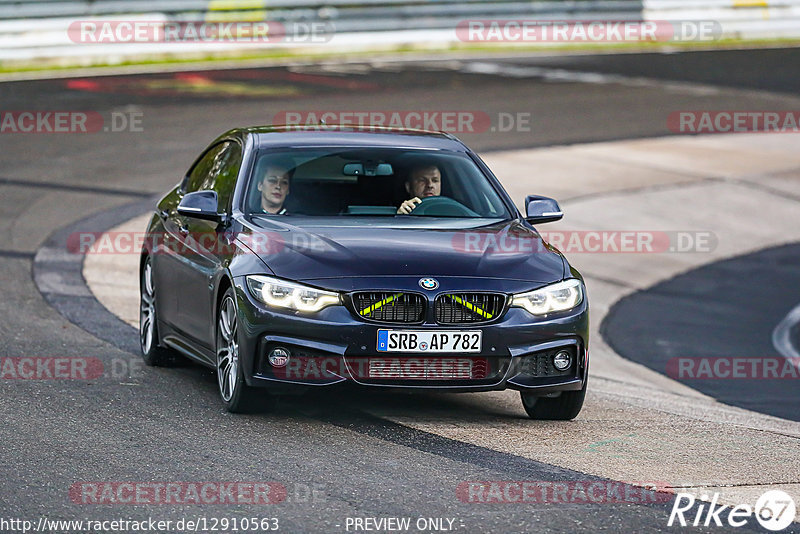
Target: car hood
x=308, y=249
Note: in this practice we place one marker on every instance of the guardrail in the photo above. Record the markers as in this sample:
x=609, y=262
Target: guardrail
x=746, y=19
x=39, y=29
x=330, y=10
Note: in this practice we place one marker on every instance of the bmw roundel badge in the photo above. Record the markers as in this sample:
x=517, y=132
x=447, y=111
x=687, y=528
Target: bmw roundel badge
x=428, y=283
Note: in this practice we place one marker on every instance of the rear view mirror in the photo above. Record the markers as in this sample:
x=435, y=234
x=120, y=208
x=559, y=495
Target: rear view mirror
x=540, y=210
x=361, y=169
x=200, y=205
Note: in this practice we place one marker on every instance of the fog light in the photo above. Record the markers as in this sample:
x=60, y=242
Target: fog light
x=279, y=356
x=562, y=360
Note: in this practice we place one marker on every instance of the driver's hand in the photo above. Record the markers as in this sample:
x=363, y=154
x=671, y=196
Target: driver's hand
x=408, y=206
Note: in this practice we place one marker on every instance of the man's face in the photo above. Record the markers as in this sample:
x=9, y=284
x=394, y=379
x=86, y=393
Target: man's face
x=274, y=187
x=425, y=182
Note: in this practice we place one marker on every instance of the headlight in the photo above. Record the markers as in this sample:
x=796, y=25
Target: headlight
x=290, y=295
x=556, y=297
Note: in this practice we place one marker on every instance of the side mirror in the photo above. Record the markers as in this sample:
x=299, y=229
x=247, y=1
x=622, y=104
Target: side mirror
x=540, y=210
x=200, y=205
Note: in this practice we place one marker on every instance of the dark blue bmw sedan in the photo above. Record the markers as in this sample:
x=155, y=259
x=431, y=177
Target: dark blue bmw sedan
x=293, y=257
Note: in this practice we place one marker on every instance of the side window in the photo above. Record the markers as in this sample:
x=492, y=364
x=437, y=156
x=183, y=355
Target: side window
x=216, y=171
x=230, y=160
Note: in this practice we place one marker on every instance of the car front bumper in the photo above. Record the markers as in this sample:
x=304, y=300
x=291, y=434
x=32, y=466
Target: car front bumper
x=335, y=347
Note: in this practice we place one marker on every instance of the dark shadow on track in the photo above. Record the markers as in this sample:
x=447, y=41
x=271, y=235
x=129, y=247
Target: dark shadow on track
x=726, y=309
x=769, y=69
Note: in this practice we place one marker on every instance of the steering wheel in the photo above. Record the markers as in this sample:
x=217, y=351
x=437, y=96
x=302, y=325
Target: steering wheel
x=442, y=207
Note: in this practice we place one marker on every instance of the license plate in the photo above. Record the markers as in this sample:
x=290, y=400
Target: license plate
x=429, y=341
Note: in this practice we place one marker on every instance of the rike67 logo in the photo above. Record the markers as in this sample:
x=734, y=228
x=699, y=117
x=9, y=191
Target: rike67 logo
x=774, y=510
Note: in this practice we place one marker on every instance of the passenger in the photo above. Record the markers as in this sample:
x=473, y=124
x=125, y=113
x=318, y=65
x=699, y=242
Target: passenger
x=274, y=186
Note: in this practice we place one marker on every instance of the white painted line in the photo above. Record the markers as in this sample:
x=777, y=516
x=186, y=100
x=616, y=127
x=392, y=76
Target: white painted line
x=781, y=337
x=564, y=75
x=56, y=284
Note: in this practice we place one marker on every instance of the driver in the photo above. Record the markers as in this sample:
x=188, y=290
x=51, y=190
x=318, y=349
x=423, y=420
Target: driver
x=422, y=181
x=274, y=186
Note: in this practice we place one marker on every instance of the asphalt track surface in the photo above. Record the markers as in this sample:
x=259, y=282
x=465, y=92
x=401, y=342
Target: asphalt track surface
x=167, y=425
x=720, y=310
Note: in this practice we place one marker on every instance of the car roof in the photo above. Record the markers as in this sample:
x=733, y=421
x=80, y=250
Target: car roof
x=352, y=136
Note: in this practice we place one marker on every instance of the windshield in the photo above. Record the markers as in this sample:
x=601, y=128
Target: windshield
x=349, y=182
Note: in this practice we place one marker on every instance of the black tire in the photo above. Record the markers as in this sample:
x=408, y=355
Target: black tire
x=565, y=407
x=152, y=352
x=236, y=395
